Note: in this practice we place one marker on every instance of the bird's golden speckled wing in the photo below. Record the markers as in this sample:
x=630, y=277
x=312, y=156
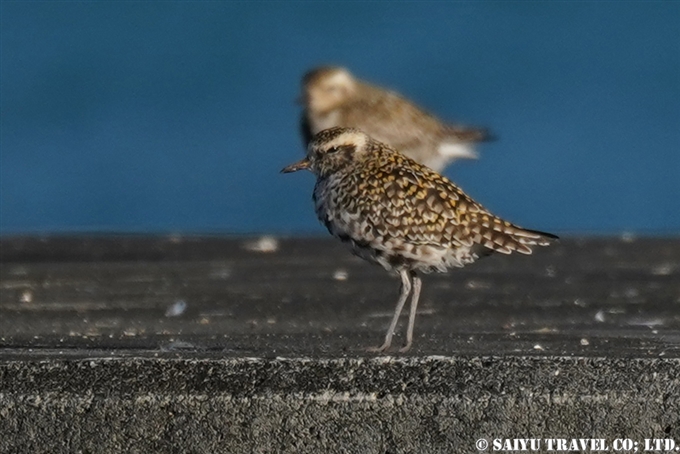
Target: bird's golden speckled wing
x=404, y=200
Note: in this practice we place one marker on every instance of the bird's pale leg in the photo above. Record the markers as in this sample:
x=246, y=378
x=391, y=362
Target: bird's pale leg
x=417, y=284
x=405, y=290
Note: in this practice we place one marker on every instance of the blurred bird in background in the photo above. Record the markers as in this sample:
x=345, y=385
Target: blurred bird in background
x=332, y=97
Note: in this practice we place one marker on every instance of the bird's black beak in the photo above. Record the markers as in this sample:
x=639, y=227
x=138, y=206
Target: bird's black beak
x=300, y=165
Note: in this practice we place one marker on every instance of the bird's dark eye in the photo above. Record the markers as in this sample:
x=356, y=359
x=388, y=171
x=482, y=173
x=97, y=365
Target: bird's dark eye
x=333, y=150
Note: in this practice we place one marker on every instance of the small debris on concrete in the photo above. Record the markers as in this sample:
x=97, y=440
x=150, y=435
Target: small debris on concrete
x=175, y=238
x=631, y=292
x=340, y=275
x=221, y=273
x=546, y=330
x=650, y=322
x=477, y=285
x=663, y=269
x=599, y=317
x=176, y=309
x=26, y=297
x=628, y=237
x=264, y=244
x=585, y=342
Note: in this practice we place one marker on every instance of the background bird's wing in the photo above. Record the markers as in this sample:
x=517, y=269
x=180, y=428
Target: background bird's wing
x=395, y=120
x=461, y=133
x=391, y=119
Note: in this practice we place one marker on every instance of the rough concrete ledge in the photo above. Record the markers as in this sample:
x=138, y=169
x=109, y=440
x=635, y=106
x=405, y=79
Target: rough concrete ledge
x=368, y=405
x=239, y=345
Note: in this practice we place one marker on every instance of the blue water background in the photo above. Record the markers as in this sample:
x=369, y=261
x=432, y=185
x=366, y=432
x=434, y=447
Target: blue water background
x=177, y=116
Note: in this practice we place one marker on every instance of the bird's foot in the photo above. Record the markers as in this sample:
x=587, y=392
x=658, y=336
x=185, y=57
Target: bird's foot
x=380, y=349
x=405, y=348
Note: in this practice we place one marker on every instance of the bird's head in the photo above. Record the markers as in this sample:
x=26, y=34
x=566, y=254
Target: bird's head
x=326, y=88
x=332, y=150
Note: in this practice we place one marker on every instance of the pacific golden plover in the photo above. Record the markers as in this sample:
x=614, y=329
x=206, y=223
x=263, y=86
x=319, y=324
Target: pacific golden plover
x=333, y=97
x=402, y=215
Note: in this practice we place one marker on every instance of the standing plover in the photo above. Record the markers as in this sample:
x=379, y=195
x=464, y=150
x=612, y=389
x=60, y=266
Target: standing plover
x=333, y=97
x=402, y=215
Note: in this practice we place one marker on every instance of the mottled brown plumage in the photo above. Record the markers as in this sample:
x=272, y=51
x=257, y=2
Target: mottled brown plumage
x=333, y=97
x=402, y=215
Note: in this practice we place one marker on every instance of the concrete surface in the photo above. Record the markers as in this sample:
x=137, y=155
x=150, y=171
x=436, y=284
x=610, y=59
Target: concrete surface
x=189, y=344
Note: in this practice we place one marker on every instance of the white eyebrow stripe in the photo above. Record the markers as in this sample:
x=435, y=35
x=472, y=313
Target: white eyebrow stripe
x=346, y=138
